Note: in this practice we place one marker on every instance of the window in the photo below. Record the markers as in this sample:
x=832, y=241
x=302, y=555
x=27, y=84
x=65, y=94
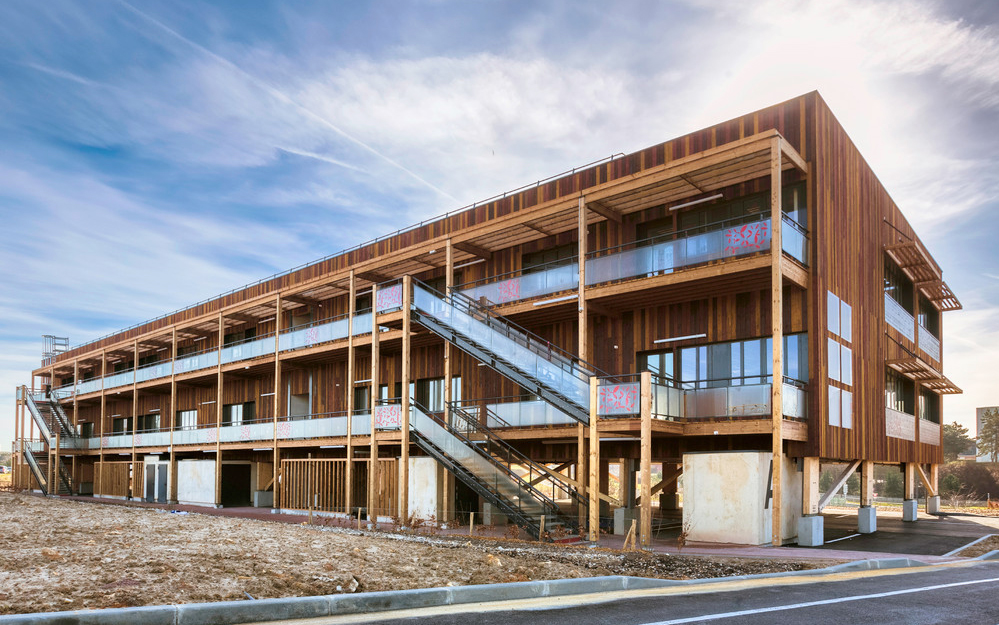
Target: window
x=734, y=363
x=430, y=394
x=898, y=286
x=929, y=316
x=839, y=360
x=239, y=337
x=187, y=419
x=301, y=316
x=238, y=414
x=535, y=261
x=362, y=397
x=929, y=406
x=151, y=359
x=88, y=375
x=122, y=366
x=149, y=422
x=186, y=349
x=86, y=430
x=121, y=425
x=362, y=303
x=652, y=232
x=899, y=392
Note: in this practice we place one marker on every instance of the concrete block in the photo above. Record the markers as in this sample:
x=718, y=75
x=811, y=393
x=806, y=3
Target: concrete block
x=491, y=515
x=811, y=531
x=231, y=612
x=867, y=520
x=146, y=615
x=910, y=510
x=585, y=585
x=496, y=592
x=388, y=600
x=622, y=520
x=933, y=505
x=263, y=498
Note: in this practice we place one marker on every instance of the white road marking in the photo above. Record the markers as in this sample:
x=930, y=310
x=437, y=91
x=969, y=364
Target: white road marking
x=962, y=548
x=808, y=604
x=835, y=540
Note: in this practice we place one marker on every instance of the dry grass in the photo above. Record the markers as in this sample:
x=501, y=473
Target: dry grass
x=63, y=555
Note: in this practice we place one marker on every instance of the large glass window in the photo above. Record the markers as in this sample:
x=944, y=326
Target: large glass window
x=238, y=414
x=187, y=419
x=149, y=422
x=899, y=392
x=929, y=406
x=929, y=316
x=733, y=363
x=535, y=261
x=898, y=286
x=121, y=425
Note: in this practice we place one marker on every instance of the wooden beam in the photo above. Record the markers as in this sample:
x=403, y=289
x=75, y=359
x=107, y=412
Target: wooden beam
x=349, y=389
x=538, y=229
x=594, y=488
x=199, y=333
x=549, y=473
x=373, y=402
x=218, y=419
x=838, y=484
x=276, y=452
x=300, y=299
x=777, y=333
x=172, y=496
x=867, y=483
x=810, y=486
x=372, y=276
x=663, y=483
x=474, y=250
x=605, y=211
x=909, y=480
x=447, y=498
x=407, y=297
x=931, y=491
x=645, y=527
x=241, y=317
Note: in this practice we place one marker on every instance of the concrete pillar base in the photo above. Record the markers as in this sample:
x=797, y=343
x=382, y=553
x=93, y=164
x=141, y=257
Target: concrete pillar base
x=811, y=531
x=622, y=520
x=933, y=505
x=867, y=520
x=910, y=510
x=490, y=515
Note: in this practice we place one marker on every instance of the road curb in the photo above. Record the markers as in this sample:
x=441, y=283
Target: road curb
x=234, y=612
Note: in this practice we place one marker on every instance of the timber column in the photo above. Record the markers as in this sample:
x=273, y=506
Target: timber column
x=407, y=298
x=777, y=331
x=218, y=416
x=349, y=384
x=867, y=518
x=276, y=468
x=594, y=488
x=910, y=507
x=373, y=401
x=583, y=345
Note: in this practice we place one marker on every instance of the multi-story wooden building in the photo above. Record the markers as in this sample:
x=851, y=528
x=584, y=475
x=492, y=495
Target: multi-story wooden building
x=652, y=302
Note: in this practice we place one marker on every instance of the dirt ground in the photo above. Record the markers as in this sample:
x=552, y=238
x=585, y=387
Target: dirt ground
x=989, y=544
x=67, y=555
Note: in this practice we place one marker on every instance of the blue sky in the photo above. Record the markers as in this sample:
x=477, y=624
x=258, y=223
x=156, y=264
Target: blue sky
x=158, y=153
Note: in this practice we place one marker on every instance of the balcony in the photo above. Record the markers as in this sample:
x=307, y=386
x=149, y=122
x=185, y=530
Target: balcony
x=929, y=343
x=650, y=257
x=899, y=318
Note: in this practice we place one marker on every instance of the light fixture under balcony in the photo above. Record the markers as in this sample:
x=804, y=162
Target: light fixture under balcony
x=680, y=338
x=695, y=202
x=565, y=298
x=469, y=263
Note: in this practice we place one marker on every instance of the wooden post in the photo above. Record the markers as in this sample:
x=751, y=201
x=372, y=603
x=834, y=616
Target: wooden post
x=581, y=473
x=218, y=416
x=810, y=486
x=137, y=476
x=583, y=343
x=172, y=495
x=594, y=490
x=910, y=480
x=15, y=461
x=935, y=478
x=407, y=298
x=866, y=483
x=447, y=490
x=373, y=456
x=646, y=460
x=276, y=402
x=777, y=331
x=349, y=384
x=100, y=455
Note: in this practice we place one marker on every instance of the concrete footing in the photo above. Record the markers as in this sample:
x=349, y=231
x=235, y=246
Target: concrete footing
x=622, y=520
x=910, y=510
x=867, y=520
x=933, y=505
x=811, y=531
x=491, y=515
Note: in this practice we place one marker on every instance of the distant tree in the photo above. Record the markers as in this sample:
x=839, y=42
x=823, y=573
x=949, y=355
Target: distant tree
x=988, y=434
x=894, y=484
x=968, y=478
x=955, y=440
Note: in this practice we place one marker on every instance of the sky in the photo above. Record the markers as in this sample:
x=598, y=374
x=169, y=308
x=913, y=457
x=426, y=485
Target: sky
x=156, y=153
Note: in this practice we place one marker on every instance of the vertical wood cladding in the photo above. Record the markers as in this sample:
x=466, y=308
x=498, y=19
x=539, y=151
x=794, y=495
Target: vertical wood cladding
x=853, y=217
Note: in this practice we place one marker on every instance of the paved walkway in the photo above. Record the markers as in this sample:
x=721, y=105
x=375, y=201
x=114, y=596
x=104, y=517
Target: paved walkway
x=927, y=540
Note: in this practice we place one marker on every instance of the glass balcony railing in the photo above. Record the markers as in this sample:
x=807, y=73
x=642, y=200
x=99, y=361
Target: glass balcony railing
x=672, y=403
x=245, y=350
x=643, y=258
x=151, y=372
x=123, y=378
x=195, y=362
x=504, y=412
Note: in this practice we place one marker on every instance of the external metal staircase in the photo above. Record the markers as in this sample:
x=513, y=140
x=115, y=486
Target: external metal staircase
x=496, y=471
x=554, y=375
x=57, y=433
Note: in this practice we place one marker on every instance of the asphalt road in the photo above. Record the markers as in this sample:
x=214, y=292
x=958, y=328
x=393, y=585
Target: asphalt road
x=965, y=593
